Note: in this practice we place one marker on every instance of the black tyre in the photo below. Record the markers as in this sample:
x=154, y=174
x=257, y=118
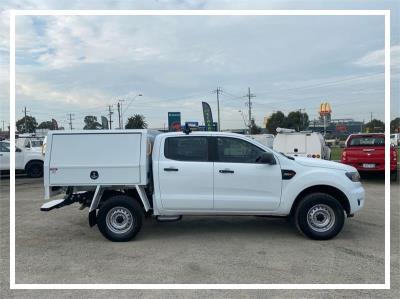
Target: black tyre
x=35, y=169
x=319, y=216
x=120, y=218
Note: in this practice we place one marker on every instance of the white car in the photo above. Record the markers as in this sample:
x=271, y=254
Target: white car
x=27, y=160
x=122, y=175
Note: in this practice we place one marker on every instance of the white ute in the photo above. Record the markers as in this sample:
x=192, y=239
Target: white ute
x=27, y=160
x=121, y=176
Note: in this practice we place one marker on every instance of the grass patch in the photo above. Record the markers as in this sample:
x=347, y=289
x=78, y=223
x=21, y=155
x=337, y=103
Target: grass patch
x=336, y=153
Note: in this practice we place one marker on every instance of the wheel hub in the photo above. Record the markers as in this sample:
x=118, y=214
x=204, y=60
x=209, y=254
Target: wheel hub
x=321, y=218
x=119, y=220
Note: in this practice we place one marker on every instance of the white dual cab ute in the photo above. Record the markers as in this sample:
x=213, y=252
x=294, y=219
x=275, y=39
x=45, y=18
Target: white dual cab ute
x=123, y=176
x=27, y=160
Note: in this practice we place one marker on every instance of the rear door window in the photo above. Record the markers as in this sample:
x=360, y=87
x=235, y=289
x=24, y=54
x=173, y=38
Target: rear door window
x=192, y=148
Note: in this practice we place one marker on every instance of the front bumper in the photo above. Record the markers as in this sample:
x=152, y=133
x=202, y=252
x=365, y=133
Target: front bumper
x=356, y=199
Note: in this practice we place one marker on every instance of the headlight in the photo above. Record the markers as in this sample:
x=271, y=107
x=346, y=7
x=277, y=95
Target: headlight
x=354, y=176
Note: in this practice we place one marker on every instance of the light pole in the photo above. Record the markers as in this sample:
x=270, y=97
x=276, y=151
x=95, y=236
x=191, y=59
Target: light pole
x=127, y=106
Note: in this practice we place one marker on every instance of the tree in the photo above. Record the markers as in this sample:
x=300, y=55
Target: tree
x=277, y=119
x=297, y=120
x=395, y=125
x=46, y=125
x=254, y=129
x=374, y=126
x=136, y=121
x=91, y=123
x=30, y=122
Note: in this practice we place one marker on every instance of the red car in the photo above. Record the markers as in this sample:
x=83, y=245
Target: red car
x=366, y=152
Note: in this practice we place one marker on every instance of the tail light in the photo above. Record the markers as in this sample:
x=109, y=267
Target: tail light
x=394, y=155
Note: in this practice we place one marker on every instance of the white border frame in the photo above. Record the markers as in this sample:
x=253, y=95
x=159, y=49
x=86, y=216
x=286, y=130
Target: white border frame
x=385, y=13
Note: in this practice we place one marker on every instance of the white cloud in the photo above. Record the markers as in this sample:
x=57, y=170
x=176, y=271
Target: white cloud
x=377, y=58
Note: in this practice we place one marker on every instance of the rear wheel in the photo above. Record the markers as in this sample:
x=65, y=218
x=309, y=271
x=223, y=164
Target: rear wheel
x=319, y=216
x=120, y=218
x=35, y=169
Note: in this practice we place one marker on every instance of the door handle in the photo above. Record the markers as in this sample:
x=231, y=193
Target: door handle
x=171, y=169
x=226, y=171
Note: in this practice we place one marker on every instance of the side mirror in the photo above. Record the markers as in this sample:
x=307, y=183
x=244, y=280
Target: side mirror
x=18, y=150
x=267, y=158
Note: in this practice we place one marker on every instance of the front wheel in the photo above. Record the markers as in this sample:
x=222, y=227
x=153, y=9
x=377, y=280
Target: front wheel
x=319, y=216
x=120, y=218
x=35, y=169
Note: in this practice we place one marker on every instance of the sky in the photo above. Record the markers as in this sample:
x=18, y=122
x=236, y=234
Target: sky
x=83, y=64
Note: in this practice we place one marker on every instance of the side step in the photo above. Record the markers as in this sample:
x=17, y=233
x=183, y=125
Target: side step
x=166, y=218
x=53, y=204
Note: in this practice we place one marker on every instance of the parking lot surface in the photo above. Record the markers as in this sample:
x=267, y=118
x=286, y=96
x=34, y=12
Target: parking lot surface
x=59, y=247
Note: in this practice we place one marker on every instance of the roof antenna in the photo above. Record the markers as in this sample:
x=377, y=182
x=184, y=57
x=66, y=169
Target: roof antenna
x=187, y=130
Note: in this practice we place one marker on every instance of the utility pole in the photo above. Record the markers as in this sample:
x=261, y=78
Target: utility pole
x=3, y=125
x=25, y=123
x=109, y=115
x=249, y=95
x=119, y=115
x=70, y=120
x=218, y=91
x=371, y=116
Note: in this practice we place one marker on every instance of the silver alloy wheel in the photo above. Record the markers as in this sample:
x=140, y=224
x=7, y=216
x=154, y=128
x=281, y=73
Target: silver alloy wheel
x=321, y=218
x=119, y=220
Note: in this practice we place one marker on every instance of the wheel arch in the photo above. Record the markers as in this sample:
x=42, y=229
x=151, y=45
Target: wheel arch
x=331, y=190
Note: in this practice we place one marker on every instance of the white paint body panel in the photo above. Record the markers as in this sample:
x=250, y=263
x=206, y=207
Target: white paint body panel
x=252, y=187
x=121, y=158
x=189, y=188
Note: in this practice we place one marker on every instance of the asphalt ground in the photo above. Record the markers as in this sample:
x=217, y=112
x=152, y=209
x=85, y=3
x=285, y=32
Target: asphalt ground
x=59, y=247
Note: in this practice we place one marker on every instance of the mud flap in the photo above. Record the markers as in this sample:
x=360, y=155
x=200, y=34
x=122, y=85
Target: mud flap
x=92, y=218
